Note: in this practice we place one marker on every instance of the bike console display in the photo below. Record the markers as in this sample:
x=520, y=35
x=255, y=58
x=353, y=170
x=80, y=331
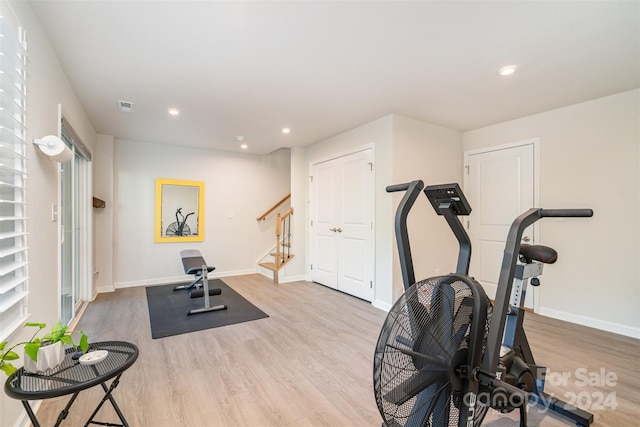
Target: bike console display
x=448, y=196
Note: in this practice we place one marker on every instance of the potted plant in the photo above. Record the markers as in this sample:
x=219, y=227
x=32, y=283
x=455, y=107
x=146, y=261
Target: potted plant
x=44, y=353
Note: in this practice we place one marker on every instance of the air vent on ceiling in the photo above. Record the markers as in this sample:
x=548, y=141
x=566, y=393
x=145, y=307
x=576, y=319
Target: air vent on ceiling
x=125, y=106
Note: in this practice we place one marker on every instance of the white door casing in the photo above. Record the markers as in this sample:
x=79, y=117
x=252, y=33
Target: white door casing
x=342, y=224
x=500, y=185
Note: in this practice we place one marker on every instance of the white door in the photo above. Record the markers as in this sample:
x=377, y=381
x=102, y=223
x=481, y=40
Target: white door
x=342, y=224
x=499, y=185
x=324, y=220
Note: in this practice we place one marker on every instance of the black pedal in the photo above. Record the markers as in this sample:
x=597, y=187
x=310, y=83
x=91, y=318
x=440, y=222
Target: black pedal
x=199, y=293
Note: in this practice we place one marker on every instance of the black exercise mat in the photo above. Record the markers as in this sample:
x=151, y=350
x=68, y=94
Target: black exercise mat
x=168, y=310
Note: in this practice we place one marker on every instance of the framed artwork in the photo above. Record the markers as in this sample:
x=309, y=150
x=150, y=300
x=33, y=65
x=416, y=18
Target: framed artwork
x=179, y=211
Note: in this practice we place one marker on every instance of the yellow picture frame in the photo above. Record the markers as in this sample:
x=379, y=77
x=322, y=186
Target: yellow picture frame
x=179, y=211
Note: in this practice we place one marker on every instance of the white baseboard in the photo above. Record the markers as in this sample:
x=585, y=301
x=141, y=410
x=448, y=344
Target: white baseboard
x=152, y=282
x=104, y=290
x=281, y=280
x=290, y=279
x=604, y=325
x=178, y=279
x=234, y=273
x=384, y=306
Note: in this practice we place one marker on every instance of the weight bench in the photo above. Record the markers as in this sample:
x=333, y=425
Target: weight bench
x=194, y=264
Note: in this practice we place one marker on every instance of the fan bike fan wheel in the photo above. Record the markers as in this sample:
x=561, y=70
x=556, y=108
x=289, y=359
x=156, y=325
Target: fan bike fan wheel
x=174, y=230
x=423, y=342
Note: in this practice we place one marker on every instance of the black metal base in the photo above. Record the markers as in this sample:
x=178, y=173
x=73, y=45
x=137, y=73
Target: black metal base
x=197, y=279
x=580, y=417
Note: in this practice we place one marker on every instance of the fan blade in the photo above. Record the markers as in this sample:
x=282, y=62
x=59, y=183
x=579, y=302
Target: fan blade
x=436, y=329
x=441, y=410
x=426, y=404
x=410, y=387
x=438, y=364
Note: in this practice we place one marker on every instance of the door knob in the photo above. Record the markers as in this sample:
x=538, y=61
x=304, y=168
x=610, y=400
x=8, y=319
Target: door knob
x=339, y=230
x=333, y=229
x=526, y=239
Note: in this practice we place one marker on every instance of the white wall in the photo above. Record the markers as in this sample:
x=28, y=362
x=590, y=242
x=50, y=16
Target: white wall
x=589, y=157
x=238, y=188
x=103, y=217
x=47, y=86
x=295, y=270
x=434, y=155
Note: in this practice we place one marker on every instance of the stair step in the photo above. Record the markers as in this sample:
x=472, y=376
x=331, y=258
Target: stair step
x=286, y=259
x=272, y=265
x=268, y=265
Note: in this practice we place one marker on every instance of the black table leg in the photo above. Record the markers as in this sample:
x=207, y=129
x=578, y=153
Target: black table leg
x=32, y=416
x=109, y=397
x=65, y=411
x=63, y=414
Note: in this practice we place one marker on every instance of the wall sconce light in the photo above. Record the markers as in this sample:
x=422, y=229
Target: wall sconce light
x=55, y=148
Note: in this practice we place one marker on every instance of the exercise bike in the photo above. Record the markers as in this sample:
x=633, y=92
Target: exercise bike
x=445, y=354
x=180, y=227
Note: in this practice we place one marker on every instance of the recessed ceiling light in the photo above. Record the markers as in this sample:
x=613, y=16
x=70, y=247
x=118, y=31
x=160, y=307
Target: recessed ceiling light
x=508, y=70
x=239, y=138
x=286, y=130
x=173, y=111
x=244, y=146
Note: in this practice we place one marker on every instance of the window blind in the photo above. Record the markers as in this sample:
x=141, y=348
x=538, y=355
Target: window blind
x=13, y=221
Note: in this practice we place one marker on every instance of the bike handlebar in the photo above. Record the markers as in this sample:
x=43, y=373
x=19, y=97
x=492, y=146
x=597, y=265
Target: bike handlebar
x=398, y=187
x=413, y=190
x=566, y=213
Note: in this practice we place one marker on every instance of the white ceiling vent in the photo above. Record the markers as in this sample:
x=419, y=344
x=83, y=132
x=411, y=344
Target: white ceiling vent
x=125, y=106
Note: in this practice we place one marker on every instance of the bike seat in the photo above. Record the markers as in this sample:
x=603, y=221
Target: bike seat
x=540, y=253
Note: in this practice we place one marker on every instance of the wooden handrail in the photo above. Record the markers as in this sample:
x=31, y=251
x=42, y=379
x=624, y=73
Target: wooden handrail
x=273, y=208
x=279, y=220
x=287, y=213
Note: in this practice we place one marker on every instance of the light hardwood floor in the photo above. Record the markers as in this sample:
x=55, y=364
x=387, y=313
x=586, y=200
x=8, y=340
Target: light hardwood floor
x=308, y=364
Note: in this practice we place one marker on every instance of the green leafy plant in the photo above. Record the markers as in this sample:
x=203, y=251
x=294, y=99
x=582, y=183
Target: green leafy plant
x=58, y=333
x=6, y=356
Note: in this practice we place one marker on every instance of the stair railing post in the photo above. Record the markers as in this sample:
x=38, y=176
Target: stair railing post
x=278, y=234
x=288, y=236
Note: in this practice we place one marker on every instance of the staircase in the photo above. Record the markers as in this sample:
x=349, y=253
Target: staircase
x=282, y=253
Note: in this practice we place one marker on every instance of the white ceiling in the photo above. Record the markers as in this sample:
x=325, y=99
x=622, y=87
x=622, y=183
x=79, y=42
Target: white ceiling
x=323, y=67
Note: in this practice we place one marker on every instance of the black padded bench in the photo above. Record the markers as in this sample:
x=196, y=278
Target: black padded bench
x=194, y=264
x=192, y=261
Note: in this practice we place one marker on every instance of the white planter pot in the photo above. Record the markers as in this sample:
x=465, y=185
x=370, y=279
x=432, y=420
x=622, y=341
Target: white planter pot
x=49, y=357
